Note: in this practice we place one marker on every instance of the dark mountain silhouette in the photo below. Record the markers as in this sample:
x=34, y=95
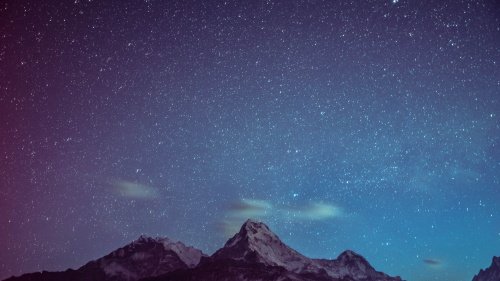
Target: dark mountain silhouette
x=492, y=273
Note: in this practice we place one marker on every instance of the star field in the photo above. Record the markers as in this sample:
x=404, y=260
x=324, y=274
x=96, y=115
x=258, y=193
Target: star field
x=364, y=125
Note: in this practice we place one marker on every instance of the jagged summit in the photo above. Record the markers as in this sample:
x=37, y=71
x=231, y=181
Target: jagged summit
x=146, y=239
x=492, y=273
x=251, y=230
x=188, y=255
x=349, y=256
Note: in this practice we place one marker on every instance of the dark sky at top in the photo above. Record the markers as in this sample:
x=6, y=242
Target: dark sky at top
x=369, y=125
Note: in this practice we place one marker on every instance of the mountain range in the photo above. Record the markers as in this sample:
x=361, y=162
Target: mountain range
x=254, y=253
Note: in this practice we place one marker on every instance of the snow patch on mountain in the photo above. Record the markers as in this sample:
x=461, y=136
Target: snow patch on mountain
x=119, y=272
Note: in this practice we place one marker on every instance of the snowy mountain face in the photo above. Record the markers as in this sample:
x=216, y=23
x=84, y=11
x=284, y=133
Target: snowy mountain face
x=492, y=273
x=148, y=257
x=142, y=258
x=256, y=243
x=353, y=265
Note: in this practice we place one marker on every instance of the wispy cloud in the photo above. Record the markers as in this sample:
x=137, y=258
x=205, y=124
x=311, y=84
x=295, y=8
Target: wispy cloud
x=240, y=211
x=251, y=208
x=134, y=190
x=432, y=262
x=315, y=211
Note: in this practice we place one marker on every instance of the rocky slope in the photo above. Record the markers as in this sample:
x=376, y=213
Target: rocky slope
x=492, y=273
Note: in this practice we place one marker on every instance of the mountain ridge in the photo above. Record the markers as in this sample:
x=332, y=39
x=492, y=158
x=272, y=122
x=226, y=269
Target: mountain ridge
x=255, y=253
x=492, y=273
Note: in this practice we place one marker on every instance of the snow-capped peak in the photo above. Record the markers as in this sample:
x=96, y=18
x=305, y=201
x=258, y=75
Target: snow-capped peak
x=349, y=256
x=148, y=256
x=255, y=242
x=251, y=229
x=146, y=239
x=354, y=265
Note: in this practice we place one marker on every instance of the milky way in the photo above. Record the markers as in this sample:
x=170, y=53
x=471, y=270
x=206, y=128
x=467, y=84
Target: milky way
x=364, y=125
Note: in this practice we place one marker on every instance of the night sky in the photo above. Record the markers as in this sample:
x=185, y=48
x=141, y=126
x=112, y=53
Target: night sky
x=370, y=125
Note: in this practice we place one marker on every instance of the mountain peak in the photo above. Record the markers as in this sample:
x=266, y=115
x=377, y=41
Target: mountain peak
x=251, y=234
x=256, y=243
x=148, y=256
x=143, y=239
x=146, y=239
x=495, y=261
x=354, y=265
x=490, y=273
x=252, y=231
x=349, y=255
x=253, y=224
